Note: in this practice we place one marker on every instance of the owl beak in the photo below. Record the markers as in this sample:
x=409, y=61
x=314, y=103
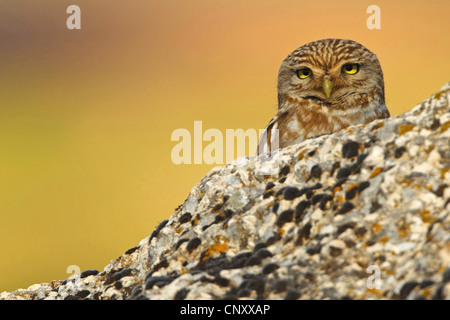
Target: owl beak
x=327, y=87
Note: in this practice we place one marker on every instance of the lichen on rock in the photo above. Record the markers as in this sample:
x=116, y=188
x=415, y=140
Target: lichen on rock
x=363, y=213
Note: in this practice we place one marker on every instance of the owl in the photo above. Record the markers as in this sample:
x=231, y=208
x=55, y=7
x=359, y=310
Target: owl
x=323, y=87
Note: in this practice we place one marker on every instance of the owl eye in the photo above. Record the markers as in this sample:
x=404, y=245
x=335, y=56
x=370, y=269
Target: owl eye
x=350, y=68
x=304, y=73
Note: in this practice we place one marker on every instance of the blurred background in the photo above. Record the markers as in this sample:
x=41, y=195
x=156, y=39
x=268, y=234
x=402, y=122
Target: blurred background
x=86, y=115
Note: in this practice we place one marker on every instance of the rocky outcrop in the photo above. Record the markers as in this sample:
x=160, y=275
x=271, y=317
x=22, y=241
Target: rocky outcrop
x=359, y=214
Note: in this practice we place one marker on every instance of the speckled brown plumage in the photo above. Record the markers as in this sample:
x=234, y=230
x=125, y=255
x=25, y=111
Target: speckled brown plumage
x=330, y=98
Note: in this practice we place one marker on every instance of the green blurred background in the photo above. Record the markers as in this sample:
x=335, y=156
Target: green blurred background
x=86, y=115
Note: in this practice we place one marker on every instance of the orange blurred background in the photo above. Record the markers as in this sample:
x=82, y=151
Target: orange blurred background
x=86, y=115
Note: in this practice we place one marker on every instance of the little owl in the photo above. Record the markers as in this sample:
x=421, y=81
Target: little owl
x=323, y=87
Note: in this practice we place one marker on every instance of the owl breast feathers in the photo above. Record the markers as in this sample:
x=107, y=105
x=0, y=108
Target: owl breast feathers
x=323, y=87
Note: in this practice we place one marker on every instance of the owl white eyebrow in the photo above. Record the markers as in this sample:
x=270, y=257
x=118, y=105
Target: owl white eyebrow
x=352, y=61
x=302, y=66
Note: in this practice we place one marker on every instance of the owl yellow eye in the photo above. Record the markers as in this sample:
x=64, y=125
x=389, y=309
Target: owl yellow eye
x=304, y=73
x=350, y=68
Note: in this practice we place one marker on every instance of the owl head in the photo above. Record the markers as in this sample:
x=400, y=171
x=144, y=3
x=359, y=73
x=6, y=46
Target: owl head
x=335, y=73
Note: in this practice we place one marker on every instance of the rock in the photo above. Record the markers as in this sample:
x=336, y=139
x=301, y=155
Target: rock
x=312, y=222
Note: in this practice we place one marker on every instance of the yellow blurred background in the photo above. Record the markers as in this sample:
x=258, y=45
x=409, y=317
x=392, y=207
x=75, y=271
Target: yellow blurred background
x=86, y=115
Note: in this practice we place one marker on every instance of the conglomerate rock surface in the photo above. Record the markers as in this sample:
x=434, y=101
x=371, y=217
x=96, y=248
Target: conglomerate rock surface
x=359, y=214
